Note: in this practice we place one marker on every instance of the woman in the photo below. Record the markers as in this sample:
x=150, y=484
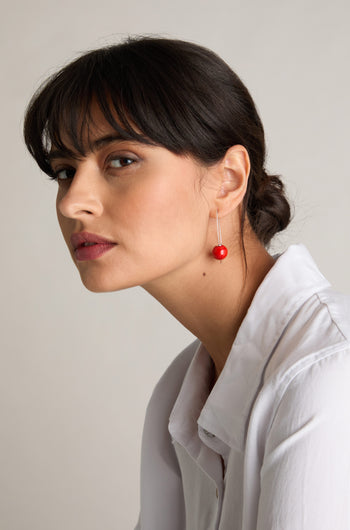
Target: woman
x=159, y=156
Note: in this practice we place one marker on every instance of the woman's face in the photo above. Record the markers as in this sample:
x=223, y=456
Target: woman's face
x=148, y=202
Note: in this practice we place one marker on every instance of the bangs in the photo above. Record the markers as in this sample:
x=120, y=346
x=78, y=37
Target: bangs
x=60, y=113
x=154, y=91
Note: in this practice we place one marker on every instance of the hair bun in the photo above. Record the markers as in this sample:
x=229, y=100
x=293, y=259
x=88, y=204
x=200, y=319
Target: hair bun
x=268, y=209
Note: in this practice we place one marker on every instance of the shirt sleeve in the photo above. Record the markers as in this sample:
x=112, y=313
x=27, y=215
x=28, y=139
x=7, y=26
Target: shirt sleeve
x=305, y=475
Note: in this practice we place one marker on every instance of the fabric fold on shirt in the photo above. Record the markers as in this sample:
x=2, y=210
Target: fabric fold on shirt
x=296, y=332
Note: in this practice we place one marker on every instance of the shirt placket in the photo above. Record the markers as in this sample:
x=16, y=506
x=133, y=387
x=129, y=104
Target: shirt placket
x=220, y=450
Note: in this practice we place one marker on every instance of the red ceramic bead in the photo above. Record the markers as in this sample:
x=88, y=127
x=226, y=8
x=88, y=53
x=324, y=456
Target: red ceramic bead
x=220, y=252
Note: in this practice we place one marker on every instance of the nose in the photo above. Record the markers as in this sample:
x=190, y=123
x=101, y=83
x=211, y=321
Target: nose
x=83, y=196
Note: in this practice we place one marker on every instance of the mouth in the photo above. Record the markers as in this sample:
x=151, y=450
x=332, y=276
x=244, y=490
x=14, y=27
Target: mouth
x=87, y=246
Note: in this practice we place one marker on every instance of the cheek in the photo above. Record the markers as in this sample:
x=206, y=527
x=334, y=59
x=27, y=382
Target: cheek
x=165, y=214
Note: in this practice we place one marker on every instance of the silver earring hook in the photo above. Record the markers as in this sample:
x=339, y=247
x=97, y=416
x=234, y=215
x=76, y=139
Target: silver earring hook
x=218, y=228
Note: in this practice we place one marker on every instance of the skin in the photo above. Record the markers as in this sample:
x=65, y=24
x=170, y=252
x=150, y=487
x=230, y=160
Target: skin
x=160, y=209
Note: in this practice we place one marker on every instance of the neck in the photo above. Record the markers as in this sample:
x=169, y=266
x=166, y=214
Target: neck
x=214, y=297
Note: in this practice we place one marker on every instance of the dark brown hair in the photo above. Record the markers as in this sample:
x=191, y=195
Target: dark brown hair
x=180, y=95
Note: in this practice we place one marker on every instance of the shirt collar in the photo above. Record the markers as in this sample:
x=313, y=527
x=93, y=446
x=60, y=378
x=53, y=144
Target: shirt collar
x=224, y=411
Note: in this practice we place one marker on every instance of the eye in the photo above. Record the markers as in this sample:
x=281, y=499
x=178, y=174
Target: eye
x=120, y=161
x=65, y=173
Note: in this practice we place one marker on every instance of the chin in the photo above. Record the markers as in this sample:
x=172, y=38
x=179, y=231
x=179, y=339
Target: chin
x=101, y=287
x=96, y=288
x=94, y=283
x=102, y=284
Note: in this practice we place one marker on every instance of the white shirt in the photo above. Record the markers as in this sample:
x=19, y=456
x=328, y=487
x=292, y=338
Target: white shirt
x=278, y=418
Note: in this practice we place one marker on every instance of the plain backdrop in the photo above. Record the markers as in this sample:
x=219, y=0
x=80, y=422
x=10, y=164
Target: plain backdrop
x=77, y=368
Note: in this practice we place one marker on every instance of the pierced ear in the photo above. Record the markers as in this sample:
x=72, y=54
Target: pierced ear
x=233, y=174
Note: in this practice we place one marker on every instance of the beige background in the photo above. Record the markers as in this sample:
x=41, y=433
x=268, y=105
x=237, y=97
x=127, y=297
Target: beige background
x=77, y=369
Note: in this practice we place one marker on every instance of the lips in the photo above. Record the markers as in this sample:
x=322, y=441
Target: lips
x=89, y=246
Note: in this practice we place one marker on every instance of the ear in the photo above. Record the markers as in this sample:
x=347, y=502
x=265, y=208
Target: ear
x=231, y=180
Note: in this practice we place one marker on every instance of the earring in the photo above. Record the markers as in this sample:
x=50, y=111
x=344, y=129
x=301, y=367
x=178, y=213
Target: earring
x=219, y=251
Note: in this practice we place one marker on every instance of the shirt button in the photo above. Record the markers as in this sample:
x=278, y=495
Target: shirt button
x=209, y=434
x=217, y=493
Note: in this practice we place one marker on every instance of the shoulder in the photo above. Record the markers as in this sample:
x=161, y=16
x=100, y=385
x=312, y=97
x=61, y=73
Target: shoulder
x=309, y=369
x=338, y=308
x=308, y=374
x=310, y=416
x=319, y=330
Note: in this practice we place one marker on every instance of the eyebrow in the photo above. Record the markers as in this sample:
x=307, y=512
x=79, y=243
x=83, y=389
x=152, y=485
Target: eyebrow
x=97, y=144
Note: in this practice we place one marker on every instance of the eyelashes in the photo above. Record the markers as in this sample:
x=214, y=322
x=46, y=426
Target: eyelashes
x=64, y=173
x=114, y=162
x=120, y=161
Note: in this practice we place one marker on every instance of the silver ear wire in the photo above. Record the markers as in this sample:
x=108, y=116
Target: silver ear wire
x=218, y=228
